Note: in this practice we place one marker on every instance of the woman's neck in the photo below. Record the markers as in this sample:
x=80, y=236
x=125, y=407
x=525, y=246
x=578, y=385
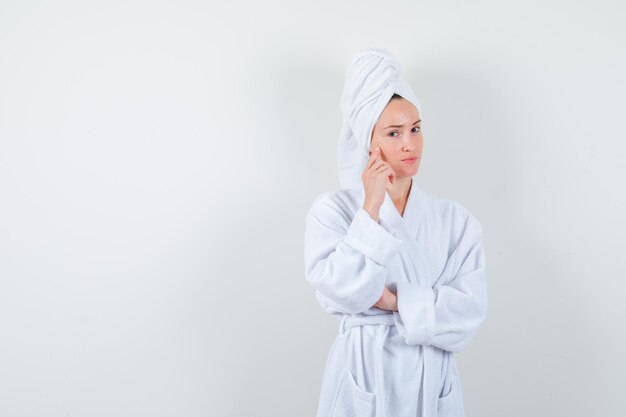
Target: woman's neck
x=399, y=192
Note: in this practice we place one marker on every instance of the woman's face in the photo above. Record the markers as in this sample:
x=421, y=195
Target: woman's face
x=398, y=132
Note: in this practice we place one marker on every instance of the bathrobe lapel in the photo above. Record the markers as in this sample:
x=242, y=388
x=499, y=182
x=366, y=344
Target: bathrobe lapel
x=405, y=228
x=417, y=268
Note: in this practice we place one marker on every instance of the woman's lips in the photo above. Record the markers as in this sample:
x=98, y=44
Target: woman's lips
x=409, y=160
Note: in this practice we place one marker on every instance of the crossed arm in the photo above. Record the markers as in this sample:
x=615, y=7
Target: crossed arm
x=346, y=262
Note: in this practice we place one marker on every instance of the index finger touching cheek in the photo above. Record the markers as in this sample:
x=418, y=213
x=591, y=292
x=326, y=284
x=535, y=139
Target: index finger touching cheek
x=373, y=156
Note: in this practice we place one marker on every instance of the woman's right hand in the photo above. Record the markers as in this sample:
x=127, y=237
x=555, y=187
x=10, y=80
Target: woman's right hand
x=375, y=177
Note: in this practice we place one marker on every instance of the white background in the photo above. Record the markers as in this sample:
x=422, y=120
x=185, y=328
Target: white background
x=157, y=160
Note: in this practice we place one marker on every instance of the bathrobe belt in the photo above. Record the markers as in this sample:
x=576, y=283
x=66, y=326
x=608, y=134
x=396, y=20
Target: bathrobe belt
x=383, y=323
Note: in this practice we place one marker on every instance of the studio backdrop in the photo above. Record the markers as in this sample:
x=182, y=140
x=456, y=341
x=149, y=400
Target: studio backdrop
x=158, y=159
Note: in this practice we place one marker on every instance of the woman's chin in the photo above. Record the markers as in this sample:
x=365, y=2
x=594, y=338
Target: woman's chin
x=407, y=172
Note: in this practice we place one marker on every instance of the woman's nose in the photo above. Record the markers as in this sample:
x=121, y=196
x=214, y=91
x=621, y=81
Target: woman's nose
x=408, y=143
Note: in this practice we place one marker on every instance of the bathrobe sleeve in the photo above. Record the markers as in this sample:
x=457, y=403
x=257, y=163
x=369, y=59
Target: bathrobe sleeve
x=448, y=315
x=346, y=259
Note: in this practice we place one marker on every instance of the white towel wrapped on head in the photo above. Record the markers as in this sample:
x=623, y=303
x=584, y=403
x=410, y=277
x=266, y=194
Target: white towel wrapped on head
x=371, y=80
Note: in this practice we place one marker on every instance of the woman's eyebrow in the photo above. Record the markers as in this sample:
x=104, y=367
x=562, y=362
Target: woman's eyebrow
x=414, y=123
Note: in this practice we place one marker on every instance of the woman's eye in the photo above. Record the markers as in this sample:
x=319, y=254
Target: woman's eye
x=392, y=134
x=416, y=128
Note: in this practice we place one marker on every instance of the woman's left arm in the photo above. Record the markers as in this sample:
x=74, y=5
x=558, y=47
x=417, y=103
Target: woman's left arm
x=448, y=316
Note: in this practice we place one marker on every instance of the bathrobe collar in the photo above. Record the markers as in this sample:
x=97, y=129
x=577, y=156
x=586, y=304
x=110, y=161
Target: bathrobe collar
x=403, y=226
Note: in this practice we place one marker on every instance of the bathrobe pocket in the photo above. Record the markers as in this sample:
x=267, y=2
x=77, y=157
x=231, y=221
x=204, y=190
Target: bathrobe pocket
x=449, y=404
x=351, y=400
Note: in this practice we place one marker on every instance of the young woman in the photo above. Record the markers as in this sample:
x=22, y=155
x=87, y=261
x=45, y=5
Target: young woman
x=403, y=269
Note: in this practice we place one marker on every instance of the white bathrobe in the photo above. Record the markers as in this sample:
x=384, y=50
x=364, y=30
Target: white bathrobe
x=401, y=363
